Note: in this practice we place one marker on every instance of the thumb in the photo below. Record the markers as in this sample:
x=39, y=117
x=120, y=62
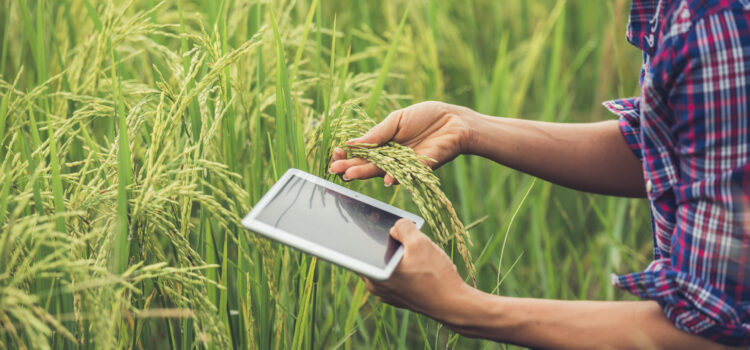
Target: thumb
x=381, y=133
x=405, y=231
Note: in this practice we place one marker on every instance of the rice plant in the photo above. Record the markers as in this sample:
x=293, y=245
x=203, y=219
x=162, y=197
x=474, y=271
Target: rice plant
x=135, y=134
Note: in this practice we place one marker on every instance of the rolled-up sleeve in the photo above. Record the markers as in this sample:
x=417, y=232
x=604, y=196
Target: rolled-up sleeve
x=703, y=282
x=628, y=111
x=691, y=303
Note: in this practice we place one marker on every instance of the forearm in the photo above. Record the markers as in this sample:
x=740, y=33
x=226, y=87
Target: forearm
x=555, y=324
x=592, y=157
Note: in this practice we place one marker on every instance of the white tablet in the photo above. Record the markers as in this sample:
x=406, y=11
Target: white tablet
x=330, y=222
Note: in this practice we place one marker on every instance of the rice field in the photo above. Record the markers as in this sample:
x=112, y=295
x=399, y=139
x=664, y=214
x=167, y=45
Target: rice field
x=135, y=134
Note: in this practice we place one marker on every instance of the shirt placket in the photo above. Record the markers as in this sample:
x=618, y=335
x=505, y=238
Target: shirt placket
x=658, y=166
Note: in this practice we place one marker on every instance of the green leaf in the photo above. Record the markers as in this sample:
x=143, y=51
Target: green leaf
x=301, y=48
x=93, y=15
x=372, y=102
x=124, y=172
x=285, y=125
x=4, y=115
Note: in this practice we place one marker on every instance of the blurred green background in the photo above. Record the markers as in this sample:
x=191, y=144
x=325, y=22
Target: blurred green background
x=90, y=210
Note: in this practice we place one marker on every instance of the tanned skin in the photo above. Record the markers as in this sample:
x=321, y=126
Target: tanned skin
x=592, y=157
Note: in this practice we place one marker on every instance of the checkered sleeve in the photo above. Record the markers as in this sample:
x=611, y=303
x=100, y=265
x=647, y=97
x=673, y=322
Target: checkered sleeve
x=703, y=287
x=628, y=111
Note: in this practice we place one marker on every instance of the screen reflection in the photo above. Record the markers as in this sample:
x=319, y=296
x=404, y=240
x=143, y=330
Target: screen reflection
x=333, y=220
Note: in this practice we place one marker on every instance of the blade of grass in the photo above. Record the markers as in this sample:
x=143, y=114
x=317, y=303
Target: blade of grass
x=4, y=202
x=93, y=15
x=4, y=115
x=358, y=299
x=302, y=316
x=41, y=42
x=193, y=109
x=121, y=244
x=223, y=296
x=553, y=75
x=33, y=162
x=284, y=119
x=6, y=26
x=383, y=75
x=32, y=37
x=495, y=239
x=301, y=48
x=57, y=190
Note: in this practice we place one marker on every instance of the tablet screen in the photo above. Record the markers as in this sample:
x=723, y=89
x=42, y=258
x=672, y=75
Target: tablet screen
x=333, y=220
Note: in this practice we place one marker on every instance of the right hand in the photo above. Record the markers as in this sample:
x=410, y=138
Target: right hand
x=436, y=130
x=425, y=280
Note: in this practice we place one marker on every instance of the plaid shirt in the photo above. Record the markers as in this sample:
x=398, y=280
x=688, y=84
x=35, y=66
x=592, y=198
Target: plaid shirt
x=690, y=129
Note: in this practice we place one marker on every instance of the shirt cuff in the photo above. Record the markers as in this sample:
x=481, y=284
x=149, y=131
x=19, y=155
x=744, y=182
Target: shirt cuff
x=629, y=112
x=693, y=305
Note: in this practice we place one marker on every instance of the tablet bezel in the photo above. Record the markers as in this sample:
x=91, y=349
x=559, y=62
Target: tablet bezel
x=379, y=274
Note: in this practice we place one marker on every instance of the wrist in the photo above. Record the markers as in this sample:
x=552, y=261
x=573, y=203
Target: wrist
x=490, y=137
x=472, y=122
x=470, y=311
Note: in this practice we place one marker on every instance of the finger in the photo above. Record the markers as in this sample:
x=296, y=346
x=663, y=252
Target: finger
x=432, y=162
x=405, y=231
x=370, y=286
x=385, y=300
x=340, y=166
x=393, y=303
x=381, y=133
x=338, y=154
x=389, y=180
x=363, y=171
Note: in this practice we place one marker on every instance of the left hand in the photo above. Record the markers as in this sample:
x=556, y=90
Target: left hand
x=437, y=130
x=425, y=281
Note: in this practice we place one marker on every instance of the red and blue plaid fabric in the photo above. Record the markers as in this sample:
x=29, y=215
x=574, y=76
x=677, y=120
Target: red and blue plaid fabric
x=690, y=128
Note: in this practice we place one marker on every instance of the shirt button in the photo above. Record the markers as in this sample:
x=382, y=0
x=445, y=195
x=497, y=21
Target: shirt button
x=649, y=186
x=618, y=106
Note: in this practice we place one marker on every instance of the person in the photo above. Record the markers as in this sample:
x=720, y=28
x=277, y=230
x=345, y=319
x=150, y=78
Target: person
x=683, y=143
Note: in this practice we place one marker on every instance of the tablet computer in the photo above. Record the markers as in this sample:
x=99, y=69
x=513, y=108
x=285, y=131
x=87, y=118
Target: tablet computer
x=331, y=222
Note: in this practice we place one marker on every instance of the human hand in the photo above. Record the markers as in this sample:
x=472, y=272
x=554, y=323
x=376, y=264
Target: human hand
x=437, y=130
x=425, y=281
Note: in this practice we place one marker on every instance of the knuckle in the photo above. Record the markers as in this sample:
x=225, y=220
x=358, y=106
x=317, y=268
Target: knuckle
x=398, y=116
x=397, y=113
x=369, y=285
x=371, y=168
x=444, y=109
x=402, y=224
x=421, y=239
x=412, y=243
x=401, y=228
x=351, y=172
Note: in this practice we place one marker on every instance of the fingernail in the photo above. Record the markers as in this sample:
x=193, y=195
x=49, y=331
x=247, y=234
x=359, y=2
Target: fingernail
x=345, y=178
x=352, y=141
x=330, y=171
x=388, y=184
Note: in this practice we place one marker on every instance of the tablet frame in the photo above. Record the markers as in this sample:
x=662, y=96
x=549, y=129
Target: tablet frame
x=379, y=274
